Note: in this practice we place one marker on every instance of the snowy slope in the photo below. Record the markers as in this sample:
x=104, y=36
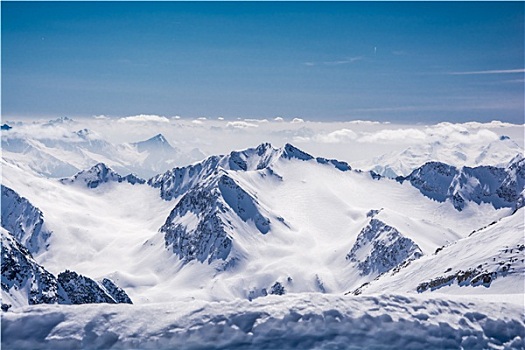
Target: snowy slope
x=301, y=321
x=489, y=261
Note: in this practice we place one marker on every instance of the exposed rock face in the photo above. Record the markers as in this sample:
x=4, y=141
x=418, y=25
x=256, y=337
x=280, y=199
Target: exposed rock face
x=508, y=261
x=200, y=226
x=23, y=276
x=99, y=174
x=204, y=237
x=242, y=203
x=277, y=289
x=501, y=187
x=433, y=179
x=27, y=282
x=118, y=294
x=23, y=220
x=177, y=181
x=83, y=290
x=380, y=248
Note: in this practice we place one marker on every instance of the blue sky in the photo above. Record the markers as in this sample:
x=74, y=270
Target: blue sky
x=400, y=62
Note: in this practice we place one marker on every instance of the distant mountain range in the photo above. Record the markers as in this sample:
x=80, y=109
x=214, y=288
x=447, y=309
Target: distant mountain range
x=61, y=157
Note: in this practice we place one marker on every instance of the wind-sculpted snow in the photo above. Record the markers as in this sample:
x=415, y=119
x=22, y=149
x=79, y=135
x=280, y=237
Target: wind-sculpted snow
x=99, y=174
x=300, y=321
x=380, y=247
x=501, y=187
x=23, y=220
x=177, y=181
x=252, y=158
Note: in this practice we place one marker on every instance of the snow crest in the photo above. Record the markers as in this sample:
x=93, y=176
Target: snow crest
x=99, y=174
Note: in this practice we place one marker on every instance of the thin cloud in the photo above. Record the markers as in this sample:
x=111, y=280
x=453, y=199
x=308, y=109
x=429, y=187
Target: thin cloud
x=496, y=71
x=337, y=136
x=335, y=63
x=393, y=135
x=241, y=125
x=145, y=118
x=346, y=61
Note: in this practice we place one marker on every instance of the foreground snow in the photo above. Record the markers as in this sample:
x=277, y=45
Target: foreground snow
x=313, y=321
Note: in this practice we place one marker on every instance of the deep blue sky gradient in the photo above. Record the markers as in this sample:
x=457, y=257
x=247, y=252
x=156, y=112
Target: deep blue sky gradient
x=391, y=61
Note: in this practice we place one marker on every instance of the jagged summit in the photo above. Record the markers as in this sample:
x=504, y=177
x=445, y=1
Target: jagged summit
x=101, y=173
x=158, y=138
x=6, y=127
x=60, y=120
x=501, y=187
x=177, y=180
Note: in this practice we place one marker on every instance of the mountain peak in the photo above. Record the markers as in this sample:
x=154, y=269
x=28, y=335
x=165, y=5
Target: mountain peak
x=154, y=144
x=83, y=132
x=158, y=138
x=101, y=173
x=61, y=120
x=289, y=151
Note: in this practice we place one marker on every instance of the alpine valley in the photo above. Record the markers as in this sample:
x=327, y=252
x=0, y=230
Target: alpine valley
x=260, y=248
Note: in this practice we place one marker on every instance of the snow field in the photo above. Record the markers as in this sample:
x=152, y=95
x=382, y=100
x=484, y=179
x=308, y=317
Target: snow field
x=312, y=321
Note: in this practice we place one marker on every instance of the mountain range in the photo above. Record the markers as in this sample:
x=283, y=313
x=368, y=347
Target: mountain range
x=75, y=151
x=258, y=224
x=255, y=222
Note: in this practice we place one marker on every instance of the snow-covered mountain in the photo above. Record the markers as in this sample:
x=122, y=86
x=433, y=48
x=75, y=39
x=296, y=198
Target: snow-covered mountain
x=101, y=173
x=380, y=248
x=23, y=220
x=267, y=222
x=496, y=153
x=69, y=152
x=488, y=259
x=501, y=187
x=25, y=282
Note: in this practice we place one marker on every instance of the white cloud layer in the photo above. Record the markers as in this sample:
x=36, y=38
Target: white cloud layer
x=145, y=118
x=349, y=141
